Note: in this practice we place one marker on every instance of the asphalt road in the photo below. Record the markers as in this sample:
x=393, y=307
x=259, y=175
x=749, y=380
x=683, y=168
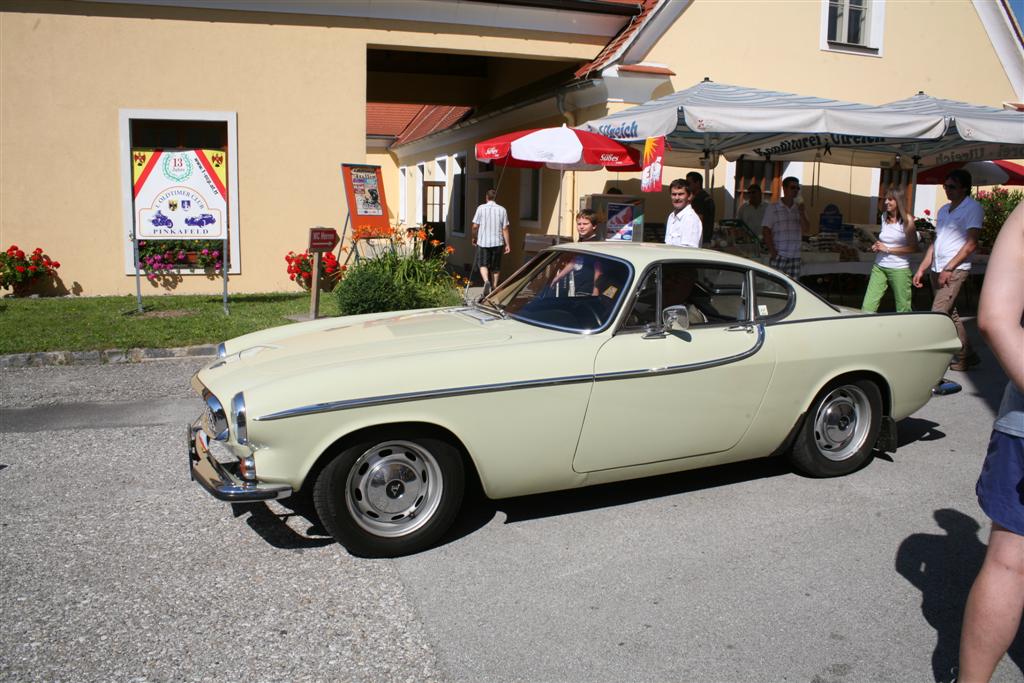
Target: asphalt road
x=114, y=566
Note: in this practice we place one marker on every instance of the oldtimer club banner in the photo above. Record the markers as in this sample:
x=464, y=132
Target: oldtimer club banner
x=180, y=194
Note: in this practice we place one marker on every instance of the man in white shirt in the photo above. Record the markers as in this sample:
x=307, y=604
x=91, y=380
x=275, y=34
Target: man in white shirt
x=949, y=257
x=682, y=227
x=490, y=237
x=752, y=213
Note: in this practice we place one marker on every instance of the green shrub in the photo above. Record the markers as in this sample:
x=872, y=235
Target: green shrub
x=998, y=204
x=396, y=282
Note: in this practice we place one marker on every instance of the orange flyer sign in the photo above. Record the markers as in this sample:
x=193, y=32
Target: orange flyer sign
x=364, y=191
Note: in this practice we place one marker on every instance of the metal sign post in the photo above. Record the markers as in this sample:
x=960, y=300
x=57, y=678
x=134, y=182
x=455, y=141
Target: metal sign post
x=321, y=239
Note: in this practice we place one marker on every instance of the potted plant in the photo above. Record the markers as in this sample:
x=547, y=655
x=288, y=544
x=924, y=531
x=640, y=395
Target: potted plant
x=300, y=269
x=18, y=270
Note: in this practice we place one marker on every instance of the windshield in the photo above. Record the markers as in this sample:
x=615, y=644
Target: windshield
x=567, y=290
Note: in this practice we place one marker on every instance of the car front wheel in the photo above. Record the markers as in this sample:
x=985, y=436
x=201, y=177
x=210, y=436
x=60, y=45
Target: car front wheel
x=390, y=495
x=839, y=430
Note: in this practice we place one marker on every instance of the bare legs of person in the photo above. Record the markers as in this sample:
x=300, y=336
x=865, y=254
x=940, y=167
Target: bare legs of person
x=485, y=278
x=994, y=607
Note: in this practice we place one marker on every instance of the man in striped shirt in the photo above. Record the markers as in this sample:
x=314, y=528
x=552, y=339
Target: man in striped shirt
x=490, y=237
x=785, y=222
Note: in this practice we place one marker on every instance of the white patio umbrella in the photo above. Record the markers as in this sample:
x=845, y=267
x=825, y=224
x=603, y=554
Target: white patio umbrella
x=712, y=119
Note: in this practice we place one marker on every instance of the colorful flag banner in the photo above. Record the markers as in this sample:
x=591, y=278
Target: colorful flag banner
x=654, y=153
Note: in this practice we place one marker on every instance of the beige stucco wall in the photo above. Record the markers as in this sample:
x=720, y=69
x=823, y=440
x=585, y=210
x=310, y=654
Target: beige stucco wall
x=296, y=85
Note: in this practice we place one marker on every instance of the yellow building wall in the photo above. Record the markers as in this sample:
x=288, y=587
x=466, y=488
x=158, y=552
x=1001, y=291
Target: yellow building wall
x=297, y=86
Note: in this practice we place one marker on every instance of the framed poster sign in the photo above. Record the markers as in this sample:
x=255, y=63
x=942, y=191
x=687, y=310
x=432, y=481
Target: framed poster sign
x=180, y=194
x=364, y=192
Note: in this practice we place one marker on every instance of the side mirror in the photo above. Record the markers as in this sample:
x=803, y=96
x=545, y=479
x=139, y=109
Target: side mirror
x=675, y=318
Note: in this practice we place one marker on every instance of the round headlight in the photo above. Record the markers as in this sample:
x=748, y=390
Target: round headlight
x=215, y=420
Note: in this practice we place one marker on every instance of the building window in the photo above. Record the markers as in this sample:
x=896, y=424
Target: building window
x=853, y=26
x=457, y=204
x=421, y=176
x=846, y=21
x=172, y=130
x=529, y=196
x=403, y=192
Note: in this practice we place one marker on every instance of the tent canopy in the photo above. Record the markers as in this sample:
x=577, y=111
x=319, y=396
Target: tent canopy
x=709, y=120
x=712, y=119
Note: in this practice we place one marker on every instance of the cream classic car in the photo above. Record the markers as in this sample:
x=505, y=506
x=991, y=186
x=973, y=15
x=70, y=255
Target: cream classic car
x=593, y=363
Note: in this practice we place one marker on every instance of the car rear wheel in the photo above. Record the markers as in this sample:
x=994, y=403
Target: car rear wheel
x=392, y=494
x=840, y=429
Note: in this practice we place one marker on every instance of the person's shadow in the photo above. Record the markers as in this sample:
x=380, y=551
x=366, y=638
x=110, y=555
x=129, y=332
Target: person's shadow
x=943, y=568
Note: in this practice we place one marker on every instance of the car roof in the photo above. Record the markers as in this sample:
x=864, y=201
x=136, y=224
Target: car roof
x=643, y=253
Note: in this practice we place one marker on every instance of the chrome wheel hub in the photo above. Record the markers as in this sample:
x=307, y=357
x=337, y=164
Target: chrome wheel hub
x=842, y=422
x=394, y=488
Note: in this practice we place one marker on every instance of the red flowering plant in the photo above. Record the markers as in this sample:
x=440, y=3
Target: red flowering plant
x=997, y=204
x=19, y=268
x=300, y=269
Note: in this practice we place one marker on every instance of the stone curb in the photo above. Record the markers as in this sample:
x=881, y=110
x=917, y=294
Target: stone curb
x=44, y=358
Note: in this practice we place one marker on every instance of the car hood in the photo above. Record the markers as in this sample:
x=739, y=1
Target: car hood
x=356, y=357
x=356, y=341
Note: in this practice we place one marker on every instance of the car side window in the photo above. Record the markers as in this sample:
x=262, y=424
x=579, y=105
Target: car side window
x=711, y=294
x=771, y=296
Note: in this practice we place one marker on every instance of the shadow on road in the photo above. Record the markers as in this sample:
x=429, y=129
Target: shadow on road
x=913, y=429
x=943, y=567
x=479, y=510
x=273, y=527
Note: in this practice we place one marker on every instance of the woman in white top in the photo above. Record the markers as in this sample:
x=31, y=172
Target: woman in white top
x=892, y=268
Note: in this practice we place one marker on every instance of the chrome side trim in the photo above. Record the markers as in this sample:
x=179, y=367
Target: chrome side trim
x=510, y=386
x=421, y=395
x=690, y=367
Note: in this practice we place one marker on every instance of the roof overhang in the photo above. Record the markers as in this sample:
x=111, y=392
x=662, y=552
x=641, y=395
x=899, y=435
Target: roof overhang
x=573, y=17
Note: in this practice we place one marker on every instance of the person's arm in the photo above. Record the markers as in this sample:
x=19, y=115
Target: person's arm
x=965, y=252
x=1002, y=298
x=911, y=246
x=766, y=232
x=508, y=240
x=805, y=225
x=926, y=263
x=476, y=227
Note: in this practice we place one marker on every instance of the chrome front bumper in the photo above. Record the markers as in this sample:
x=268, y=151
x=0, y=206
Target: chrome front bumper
x=218, y=478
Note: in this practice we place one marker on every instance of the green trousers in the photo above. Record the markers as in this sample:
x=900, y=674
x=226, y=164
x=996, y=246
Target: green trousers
x=897, y=278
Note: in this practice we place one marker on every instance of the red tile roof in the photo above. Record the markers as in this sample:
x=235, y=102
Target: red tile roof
x=408, y=122
x=613, y=49
x=647, y=69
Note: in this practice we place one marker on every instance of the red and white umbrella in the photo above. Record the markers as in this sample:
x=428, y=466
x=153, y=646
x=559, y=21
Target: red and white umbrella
x=982, y=173
x=563, y=149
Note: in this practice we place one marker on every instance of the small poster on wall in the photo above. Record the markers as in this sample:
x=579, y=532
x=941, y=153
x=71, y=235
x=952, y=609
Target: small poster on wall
x=364, y=191
x=622, y=219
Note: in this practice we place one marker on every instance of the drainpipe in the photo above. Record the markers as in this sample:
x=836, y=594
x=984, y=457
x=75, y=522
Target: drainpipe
x=570, y=118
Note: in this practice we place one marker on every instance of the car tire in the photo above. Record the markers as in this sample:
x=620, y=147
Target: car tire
x=392, y=494
x=839, y=430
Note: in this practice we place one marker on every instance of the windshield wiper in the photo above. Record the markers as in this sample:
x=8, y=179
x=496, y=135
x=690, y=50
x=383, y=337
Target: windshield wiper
x=491, y=306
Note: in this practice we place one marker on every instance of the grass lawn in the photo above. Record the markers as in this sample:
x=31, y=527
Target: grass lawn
x=113, y=322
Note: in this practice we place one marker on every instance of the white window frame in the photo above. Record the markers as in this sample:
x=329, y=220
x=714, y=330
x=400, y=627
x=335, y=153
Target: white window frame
x=524, y=196
x=125, y=118
x=874, y=28
x=421, y=171
x=452, y=208
x=403, y=194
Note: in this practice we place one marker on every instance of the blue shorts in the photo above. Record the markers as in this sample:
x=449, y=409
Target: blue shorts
x=1000, y=487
